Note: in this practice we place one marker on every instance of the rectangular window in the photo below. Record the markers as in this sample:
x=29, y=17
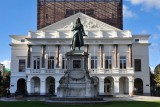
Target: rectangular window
x=36, y=62
x=89, y=11
x=77, y=10
x=137, y=64
x=93, y=62
x=69, y=12
x=122, y=62
x=22, y=40
x=82, y=11
x=136, y=40
x=64, y=63
x=108, y=62
x=22, y=64
x=76, y=63
x=51, y=62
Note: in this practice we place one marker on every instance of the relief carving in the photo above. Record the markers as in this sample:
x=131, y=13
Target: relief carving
x=87, y=23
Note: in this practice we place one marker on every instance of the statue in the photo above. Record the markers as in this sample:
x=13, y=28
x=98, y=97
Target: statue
x=78, y=31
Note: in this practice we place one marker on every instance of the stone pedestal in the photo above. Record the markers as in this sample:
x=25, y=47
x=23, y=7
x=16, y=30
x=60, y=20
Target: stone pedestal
x=76, y=82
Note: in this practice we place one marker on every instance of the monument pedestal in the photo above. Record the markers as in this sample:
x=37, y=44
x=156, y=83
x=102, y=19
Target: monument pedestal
x=76, y=82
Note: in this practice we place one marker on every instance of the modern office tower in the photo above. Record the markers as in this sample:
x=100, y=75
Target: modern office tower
x=108, y=11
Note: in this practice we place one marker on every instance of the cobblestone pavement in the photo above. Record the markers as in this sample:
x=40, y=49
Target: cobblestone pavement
x=116, y=98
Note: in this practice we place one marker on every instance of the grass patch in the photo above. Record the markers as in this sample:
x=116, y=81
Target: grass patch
x=110, y=104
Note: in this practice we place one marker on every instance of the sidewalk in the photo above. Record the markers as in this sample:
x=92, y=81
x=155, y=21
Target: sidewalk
x=133, y=98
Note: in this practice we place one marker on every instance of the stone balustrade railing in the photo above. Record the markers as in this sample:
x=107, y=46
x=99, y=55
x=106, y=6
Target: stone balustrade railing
x=61, y=71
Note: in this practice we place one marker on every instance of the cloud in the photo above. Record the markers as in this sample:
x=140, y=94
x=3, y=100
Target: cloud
x=155, y=47
x=128, y=13
x=6, y=63
x=143, y=32
x=146, y=4
x=152, y=69
x=155, y=36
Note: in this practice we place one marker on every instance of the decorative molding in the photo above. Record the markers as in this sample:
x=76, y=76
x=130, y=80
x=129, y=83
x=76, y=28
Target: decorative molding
x=87, y=23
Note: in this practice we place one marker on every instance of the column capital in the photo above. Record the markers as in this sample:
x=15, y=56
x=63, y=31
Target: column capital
x=131, y=78
x=116, y=79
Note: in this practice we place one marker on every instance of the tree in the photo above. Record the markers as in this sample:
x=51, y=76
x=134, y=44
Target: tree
x=157, y=75
x=1, y=80
x=152, y=83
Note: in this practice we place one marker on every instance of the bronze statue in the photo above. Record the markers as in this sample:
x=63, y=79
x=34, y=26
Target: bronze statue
x=78, y=30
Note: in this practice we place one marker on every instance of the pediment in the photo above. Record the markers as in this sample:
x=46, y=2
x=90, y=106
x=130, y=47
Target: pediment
x=88, y=22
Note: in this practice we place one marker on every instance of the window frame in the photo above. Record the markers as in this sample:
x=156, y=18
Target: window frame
x=22, y=66
x=137, y=65
x=122, y=62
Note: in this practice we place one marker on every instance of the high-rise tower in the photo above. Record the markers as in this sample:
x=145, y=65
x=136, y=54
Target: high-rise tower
x=108, y=11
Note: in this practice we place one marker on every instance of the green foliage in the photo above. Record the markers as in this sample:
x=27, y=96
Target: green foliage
x=157, y=75
x=4, y=83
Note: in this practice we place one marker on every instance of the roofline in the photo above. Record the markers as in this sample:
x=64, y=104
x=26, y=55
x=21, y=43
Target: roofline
x=78, y=14
x=18, y=36
x=141, y=35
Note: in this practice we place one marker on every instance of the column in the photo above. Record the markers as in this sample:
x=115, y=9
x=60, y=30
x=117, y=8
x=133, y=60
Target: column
x=101, y=55
x=101, y=86
x=43, y=56
x=87, y=48
x=89, y=61
x=42, y=87
x=116, y=85
x=29, y=56
x=115, y=55
x=60, y=61
x=29, y=87
x=130, y=55
x=131, y=86
x=56, y=85
x=57, y=56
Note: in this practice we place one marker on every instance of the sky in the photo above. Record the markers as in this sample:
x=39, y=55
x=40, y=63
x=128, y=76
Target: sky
x=17, y=17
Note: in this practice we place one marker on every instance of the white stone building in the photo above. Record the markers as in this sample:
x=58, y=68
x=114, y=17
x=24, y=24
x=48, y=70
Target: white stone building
x=118, y=61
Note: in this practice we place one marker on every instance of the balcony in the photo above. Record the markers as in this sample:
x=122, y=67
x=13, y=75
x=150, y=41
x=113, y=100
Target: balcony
x=112, y=71
x=93, y=71
x=45, y=71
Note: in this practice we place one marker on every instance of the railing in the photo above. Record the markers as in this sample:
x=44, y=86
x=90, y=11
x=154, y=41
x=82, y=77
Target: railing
x=95, y=71
x=44, y=71
x=112, y=71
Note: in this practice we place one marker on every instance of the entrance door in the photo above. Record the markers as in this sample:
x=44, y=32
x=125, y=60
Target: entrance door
x=21, y=86
x=107, y=88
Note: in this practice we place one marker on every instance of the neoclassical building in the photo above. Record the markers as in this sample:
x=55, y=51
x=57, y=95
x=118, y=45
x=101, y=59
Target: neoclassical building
x=118, y=61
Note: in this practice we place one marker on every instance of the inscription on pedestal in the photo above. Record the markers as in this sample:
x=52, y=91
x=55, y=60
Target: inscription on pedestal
x=76, y=63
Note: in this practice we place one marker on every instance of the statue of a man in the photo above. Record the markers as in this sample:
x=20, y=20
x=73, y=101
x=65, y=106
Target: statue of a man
x=78, y=31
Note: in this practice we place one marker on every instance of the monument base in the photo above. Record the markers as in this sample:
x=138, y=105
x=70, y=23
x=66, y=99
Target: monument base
x=76, y=90
x=76, y=82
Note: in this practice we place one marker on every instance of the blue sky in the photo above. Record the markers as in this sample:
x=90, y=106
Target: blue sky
x=17, y=17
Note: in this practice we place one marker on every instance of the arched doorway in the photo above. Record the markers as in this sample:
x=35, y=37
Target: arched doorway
x=138, y=86
x=21, y=87
x=96, y=83
x=35, y=85
x=108, y=86
x=124, y=85
x=50, y=86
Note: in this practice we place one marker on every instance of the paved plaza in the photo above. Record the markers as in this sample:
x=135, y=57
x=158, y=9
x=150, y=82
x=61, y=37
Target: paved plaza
x=116, y=98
